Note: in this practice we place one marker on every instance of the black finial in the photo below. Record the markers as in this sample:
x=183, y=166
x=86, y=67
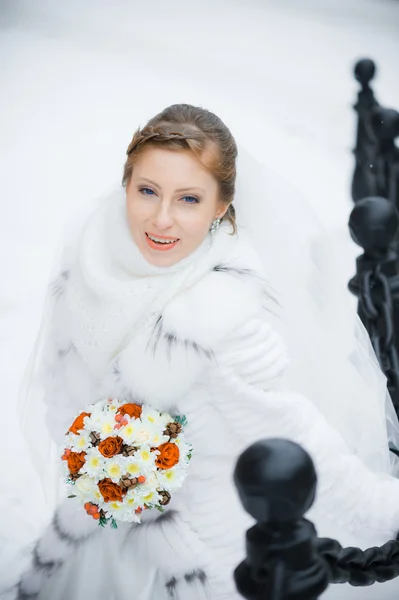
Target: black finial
x=373, y=224
x=385, y=123
x=364, y=71
x=276, y=482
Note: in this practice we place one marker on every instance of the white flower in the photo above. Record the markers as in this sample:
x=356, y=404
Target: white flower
x=128, y=432
x=132, y=467
x=68, y=441
x=106, y=426
x=94, y=463
x=113, y=469
x=171, y=479
x=85, y=486
x=124, y=511
x=157, y=438
x=113, y=405
x=150, y=486
x=185, y=449
x=143, y=435
x=81, y=441
x=150, y=498
x=132, y=500
x=152, y=418
x=145, y=458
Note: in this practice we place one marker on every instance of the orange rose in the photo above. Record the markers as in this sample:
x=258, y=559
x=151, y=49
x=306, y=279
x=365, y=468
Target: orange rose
x=76, y=460
x=110, y=446
x=169, y=456
x=110, y=491
x=133, y=410
x=78, y=423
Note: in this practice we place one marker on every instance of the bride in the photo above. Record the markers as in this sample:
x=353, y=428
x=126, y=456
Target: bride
x=162, y=299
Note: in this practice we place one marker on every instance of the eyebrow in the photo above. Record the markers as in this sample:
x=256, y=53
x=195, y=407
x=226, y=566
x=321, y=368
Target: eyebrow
x=178, y=190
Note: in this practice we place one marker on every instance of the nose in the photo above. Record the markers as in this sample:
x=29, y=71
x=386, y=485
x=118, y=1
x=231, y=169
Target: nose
x=163, y=217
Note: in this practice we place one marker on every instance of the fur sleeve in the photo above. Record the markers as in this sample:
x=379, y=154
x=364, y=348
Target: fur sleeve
x=256, y=353
x=362, y=503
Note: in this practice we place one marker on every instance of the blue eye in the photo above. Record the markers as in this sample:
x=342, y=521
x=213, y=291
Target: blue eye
x=147, y=191
x=190, y=199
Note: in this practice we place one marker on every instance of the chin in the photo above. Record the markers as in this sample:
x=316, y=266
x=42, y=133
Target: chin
x=161, y=260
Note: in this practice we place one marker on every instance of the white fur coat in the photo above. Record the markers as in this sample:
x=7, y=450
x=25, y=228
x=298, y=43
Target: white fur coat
x=200, y=344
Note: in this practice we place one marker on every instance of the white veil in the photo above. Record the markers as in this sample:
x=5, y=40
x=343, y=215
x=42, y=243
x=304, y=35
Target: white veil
x=332, y=361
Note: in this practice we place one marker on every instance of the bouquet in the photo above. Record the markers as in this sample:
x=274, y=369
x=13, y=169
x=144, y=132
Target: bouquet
x=123, y=458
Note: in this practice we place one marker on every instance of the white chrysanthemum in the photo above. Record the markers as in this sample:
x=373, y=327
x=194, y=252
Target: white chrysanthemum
x=171, y=479
x=145, y=458
x=94, y=463
x=113, y=406
x=151, y=482
x=121, y=511
x=132, y=500
x=157, y=438
x=152, y=418
x=115, y=506
x=98, y=409
x=126, y=514
x=97, y=412
x=150, y=486
x=92, y=424
x=185, y=448
x=128, y=432
x=68, y=441
x=113, y=469
x=81, y=441
x=132, y=467
x=106, y=426
x=150, y=498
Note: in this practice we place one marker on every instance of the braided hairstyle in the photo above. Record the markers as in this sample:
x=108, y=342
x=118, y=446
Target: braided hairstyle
x=186, y=127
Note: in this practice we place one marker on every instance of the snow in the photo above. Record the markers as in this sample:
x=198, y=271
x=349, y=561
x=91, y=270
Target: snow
x=79, y=76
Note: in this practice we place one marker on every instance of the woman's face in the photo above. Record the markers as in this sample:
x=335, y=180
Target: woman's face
x=171, y=201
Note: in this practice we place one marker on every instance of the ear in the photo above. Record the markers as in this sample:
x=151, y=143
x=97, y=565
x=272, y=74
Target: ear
x=222, y=211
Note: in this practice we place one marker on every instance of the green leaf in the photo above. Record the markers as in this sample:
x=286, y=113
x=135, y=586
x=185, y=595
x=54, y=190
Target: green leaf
x=102, y=522
x=181, y=419
x=72, y=496
x=114, y=524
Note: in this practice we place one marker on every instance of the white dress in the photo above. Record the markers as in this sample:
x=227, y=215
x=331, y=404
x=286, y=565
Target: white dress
x=198, y=340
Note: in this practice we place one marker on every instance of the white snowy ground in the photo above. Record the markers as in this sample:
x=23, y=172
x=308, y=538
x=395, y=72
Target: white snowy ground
x=77, y=78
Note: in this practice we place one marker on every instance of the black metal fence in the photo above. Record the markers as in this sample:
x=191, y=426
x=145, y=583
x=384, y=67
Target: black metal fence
x=374, y=224
x=285, y=559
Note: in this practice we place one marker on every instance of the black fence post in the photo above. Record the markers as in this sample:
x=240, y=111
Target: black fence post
x=363, y=182
x=276, y=482
x=285, y=560
x=385, y=125
x=374, y=224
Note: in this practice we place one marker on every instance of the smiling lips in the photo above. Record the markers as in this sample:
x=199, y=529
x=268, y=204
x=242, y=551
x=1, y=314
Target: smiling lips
x=162, y=243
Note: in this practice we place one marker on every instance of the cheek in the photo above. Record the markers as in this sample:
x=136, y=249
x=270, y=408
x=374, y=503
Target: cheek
x=196, y=222
x=136, y=211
